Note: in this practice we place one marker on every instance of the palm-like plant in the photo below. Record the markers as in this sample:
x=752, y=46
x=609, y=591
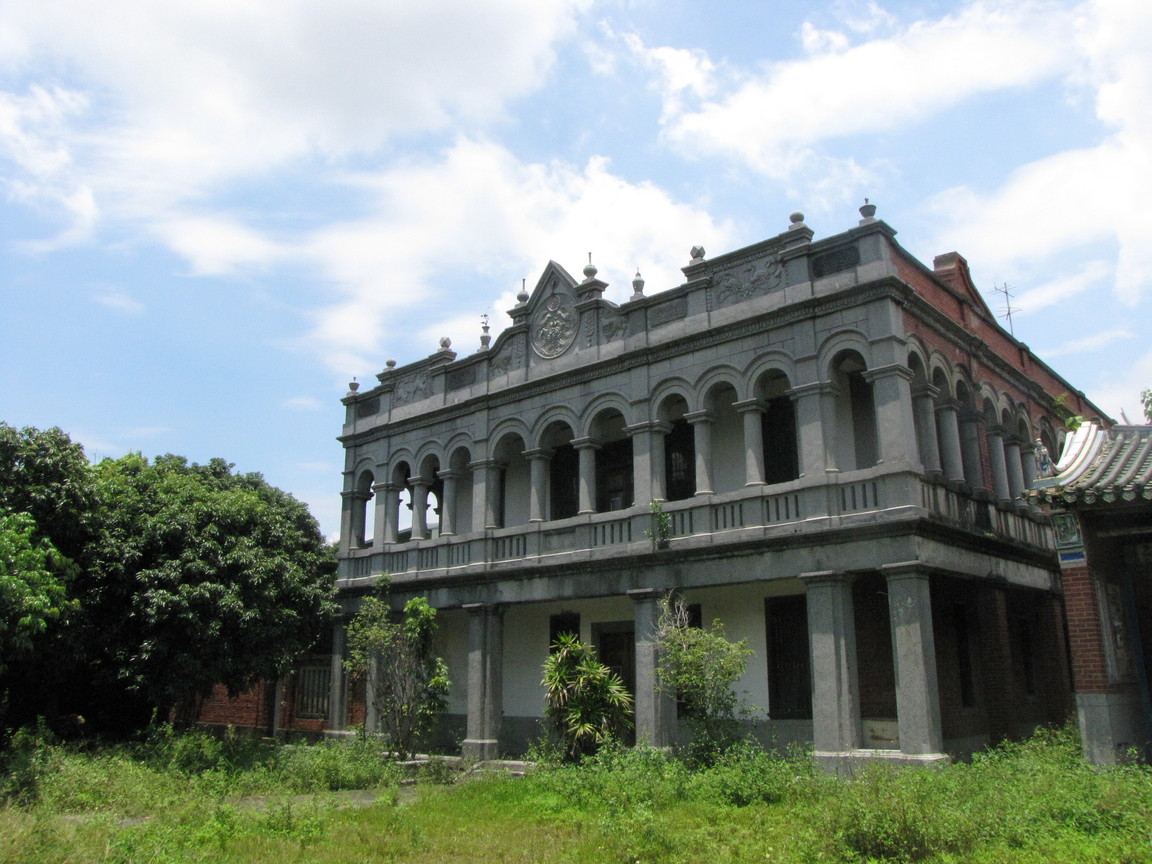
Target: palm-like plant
x=586, y=703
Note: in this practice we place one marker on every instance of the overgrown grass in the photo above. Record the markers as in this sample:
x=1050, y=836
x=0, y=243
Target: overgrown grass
x=188, y=798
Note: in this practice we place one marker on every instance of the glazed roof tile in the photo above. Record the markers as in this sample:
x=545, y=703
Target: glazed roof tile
x=1101, y=466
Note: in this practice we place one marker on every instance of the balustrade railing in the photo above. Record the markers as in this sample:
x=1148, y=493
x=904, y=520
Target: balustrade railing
x=728, y=517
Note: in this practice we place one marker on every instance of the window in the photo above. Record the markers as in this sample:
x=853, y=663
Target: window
x=780, y=451
x=562, y=623
x=614, y=476
x=564, y=476
x=680, y=461
x=313, y=684
x=789, y=666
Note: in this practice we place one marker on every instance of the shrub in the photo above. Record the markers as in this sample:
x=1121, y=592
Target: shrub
x=586, y=703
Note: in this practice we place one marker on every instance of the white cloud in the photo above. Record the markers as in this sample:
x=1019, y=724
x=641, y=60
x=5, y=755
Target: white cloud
x=179, y=96
x=305, y=403
x=1062, y=288
x=120, y=301
x=1080, y=197
x=1087, y=344
x=773, y=121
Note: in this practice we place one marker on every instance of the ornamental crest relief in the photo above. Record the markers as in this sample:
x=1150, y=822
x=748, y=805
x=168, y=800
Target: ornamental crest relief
x=756, y=277
x=554, y=326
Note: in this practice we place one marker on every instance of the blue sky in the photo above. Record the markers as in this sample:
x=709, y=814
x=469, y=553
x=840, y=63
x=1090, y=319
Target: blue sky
x=214, y=214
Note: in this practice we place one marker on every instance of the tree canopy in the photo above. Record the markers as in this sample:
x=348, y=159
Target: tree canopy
x=136, y=586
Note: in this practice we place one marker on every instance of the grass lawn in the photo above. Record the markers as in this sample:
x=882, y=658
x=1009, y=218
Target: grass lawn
x=192, y=798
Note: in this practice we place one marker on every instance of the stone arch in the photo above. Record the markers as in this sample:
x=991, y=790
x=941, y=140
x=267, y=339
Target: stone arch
x=556, y=434
x=361, y=523
x=427, y=494
x=461, y=485
x=514, y=488
x=780, y=437
x=720, y=456
x=400, y=496
x=673, y=406
x=607, y=428
x=855, y=433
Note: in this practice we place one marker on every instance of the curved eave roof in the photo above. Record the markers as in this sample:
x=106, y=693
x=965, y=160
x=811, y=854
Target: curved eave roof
x=1101, y=466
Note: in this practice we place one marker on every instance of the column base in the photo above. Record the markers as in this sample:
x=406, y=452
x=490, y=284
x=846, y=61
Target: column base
x=480, y=749
x=851, y=761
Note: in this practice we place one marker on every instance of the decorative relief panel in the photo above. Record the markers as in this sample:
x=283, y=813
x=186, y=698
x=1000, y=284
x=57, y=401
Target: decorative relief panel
x=464, y=377
x=614, y=327
x=748, y=280
x=368, y=408
x=668, y=312
x=411, y=388
x=554, y=326
x=844, y=258
x=511, y=356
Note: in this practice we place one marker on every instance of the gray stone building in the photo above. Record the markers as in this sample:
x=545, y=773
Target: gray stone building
x=842, y=438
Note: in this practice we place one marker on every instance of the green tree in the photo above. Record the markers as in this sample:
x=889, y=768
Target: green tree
x=31, y=592
x=1146, y=401
x=586, y=703
x=199, y=576
x=406, y=682
x=701, y=667
x=46, y=475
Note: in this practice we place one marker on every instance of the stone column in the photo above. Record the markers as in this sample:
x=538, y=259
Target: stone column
x=358, y=502
x=656, y=457
x=996, y=658
x=702, y=436
x=586, y=449
x=999, y=465
x=481, y=505
x=914, y=656
x=1015, y=466
x=892, y=396
x=816, y=424
x=970, y=423
x=949, y=429
x=450, y=480
x=832, y=642
x=485, y=681
x=347, y=520
x=380, y=514
x=538, y=462
x=642, y=467
x=392, y=513
x=924, y=403
x=337, y=692
x=655, y=710
x=752, y=411
x=420, y=487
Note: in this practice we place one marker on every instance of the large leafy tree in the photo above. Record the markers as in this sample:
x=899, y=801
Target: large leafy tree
x=31, y=594
x=199, y=576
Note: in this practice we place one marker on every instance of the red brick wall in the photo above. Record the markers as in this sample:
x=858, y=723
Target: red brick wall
x=1085, y=635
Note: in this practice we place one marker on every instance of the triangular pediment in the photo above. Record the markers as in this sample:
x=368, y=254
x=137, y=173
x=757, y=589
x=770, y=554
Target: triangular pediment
x=554, y=280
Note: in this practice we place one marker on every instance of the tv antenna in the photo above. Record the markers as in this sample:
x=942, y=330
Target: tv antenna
x=1006, y=290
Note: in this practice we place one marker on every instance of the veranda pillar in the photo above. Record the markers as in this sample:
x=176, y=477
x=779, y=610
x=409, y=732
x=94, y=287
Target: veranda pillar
x=914, y=657
x=485, y=681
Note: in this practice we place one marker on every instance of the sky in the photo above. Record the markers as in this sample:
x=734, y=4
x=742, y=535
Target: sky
x=214, y=214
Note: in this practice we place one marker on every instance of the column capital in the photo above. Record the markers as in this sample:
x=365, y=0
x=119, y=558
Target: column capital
x=898, y=370
x=356, y=495
x=704, y=416
x=480, y=464
x=827, y=577
x=448, y=474
x=925, y=390
x=420, y=481
x=750, y=406
x=384, y=486
x=586, y=443
x=909, y=570
x=660, y=426
x=814, y=388
x=541, y=454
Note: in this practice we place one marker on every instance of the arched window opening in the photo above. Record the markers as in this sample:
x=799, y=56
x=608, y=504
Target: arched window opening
x=855, y=415
x=613, y=463
x=362, y=523
x=727, y=438
x=563, y=472
x=514, y=489
x=679, y=452
x=778, y=424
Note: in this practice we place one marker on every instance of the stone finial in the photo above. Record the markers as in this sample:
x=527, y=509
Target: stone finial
x=445, y=343
x=697, y=253
x=867, y=212
x=522, y=297
x=797, y=220
x=485, y=336
x=391, y=364
x=637, y=287
x=589, y=269
x=353, y=386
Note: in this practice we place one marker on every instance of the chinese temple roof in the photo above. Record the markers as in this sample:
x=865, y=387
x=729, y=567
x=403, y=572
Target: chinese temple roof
x=1100, y=466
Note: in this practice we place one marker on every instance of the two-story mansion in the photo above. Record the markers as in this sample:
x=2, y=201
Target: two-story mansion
x=841, y=437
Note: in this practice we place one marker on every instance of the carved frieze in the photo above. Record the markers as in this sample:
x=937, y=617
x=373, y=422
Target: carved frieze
x=613, y=327
x=844, y=258
x=463, y=377
x=511, y=356
x=751, y=279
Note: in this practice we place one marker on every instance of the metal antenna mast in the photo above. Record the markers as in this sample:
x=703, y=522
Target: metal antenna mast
x=1008, y=310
